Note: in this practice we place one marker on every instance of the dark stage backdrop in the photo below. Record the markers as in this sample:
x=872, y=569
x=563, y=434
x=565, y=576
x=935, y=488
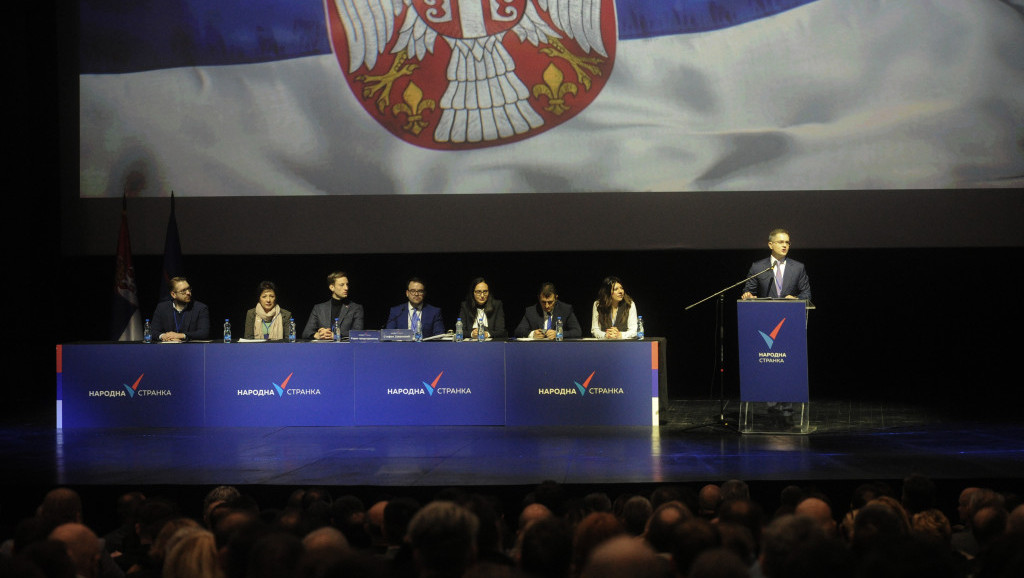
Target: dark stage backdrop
x=934, y=326
x=550, y=221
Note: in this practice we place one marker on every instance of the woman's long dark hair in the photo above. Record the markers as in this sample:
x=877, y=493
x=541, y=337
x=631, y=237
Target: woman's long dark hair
x=604, y=302
x=471, y=302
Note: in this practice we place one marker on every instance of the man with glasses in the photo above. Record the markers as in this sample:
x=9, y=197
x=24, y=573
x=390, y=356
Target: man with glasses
x=787, y=279
x=414, y=310
x=181, y=318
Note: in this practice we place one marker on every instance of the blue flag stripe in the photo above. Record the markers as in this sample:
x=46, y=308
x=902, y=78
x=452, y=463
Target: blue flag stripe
x=123, y=37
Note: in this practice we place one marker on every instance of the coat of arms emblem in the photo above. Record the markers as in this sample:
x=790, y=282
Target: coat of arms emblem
x=463, y=74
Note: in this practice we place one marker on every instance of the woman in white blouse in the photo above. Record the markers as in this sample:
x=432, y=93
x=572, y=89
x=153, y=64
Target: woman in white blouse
x=614, y=315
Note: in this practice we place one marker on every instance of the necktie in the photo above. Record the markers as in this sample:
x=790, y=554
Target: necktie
x=778, y=278
x=415, y=318
x=547, y=322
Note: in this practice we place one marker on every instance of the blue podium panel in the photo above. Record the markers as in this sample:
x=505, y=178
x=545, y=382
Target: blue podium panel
x=279, y=384
x=579, y=383
x=429, y=383
x=772, y=350
x=131, y=385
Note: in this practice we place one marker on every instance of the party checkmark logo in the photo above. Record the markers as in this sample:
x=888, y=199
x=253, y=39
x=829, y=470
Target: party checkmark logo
x=769, y=338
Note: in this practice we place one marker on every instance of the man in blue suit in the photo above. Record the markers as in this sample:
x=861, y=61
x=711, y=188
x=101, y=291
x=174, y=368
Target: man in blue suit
x=406, y=315
x=181, y=318
x=787, y=279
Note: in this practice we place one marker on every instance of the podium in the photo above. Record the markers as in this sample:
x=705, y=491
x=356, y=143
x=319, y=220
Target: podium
x=772, y=335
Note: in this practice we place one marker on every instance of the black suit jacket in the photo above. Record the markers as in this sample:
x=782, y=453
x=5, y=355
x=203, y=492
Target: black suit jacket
x=350, y=317
x=495, y=319
x=533, y=319
x=195, y=320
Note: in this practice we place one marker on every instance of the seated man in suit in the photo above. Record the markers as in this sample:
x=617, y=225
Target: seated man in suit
x=181, y=318
x=539, y=320
x=406, y=315
x=348, y=314
x=788, y=279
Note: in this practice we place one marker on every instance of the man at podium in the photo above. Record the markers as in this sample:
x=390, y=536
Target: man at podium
x=787, y=278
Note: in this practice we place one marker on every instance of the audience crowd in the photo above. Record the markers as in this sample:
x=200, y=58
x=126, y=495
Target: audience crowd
x=717, y=531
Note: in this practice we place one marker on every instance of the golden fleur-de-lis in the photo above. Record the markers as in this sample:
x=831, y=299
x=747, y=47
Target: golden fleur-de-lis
x=581, y=64
x=382, y=83
x=555, y=89
x=413, y=106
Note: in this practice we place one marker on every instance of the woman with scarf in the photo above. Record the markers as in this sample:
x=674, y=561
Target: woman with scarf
x=267, y=320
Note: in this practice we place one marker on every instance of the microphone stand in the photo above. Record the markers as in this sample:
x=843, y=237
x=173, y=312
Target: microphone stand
x=722, y=422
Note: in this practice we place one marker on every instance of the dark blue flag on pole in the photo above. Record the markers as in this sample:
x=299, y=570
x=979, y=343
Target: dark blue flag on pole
x=172, y=256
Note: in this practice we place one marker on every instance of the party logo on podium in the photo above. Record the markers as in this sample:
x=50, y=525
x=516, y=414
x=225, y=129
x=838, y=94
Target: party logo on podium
x=769, y=338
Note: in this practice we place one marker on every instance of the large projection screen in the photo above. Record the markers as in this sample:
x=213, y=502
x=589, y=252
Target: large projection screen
x=505, y=125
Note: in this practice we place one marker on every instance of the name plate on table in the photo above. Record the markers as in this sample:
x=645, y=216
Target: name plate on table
x=364, y=336
x=397, y=335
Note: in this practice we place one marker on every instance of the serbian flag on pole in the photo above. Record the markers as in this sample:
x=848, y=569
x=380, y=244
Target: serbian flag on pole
x=314, y=97
x=125, y=319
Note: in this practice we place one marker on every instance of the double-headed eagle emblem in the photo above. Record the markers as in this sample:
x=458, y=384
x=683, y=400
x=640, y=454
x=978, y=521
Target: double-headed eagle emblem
x=495, y=87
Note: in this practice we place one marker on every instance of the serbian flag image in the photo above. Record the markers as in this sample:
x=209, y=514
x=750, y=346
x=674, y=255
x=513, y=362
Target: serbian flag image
x=342, y=97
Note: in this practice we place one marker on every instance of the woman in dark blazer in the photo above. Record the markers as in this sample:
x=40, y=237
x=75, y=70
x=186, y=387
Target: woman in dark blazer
x=479, y=299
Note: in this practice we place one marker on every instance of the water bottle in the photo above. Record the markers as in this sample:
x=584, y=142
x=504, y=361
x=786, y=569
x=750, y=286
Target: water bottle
x=419, y=330
x=640, y=327
x=227, y=331
x=336, y=330
x=559, y=330
x=458, y=329
x=481, y=329
x=291, y=330
x=147, y=335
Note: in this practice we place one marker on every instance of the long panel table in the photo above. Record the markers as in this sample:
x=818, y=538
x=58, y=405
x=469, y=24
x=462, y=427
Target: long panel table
x=357, y=384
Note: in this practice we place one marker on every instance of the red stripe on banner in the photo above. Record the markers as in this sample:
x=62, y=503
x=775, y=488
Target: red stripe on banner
x=60, y=362
x=654, y=355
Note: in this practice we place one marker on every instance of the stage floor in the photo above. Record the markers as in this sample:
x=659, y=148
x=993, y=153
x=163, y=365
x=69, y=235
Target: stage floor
x=851, y=441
